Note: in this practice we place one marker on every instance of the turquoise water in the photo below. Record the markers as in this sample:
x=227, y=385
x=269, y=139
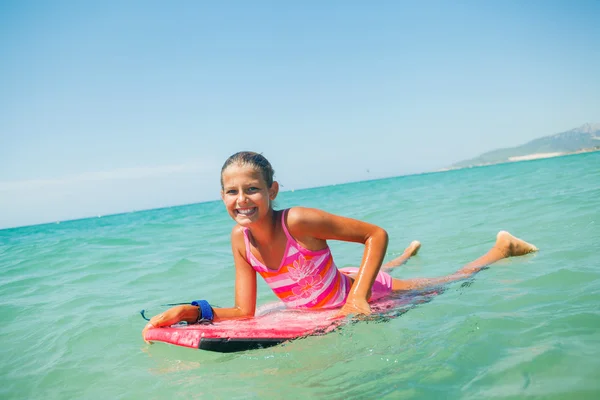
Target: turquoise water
x=527, y=327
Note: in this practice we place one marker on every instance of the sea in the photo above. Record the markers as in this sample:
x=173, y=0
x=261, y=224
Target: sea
x=527, y=327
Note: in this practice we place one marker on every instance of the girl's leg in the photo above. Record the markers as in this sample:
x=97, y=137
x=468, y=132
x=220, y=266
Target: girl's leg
x=506, y=246
x=411, y=250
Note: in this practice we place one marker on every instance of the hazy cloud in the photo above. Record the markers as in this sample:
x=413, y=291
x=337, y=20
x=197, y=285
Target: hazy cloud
x=115, y=174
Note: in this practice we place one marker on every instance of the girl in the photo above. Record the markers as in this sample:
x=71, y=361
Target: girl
x=288, y=248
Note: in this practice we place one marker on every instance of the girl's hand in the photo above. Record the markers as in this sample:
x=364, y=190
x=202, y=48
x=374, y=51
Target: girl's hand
x=148, y=326
x=170, y=317
x=355, y=306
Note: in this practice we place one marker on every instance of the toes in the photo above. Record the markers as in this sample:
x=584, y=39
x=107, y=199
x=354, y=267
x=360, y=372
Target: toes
x=415, y=246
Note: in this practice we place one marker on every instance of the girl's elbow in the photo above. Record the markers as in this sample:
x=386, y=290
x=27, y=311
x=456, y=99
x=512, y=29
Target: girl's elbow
x=246, y=312
x=377, y=237
x=382, y=235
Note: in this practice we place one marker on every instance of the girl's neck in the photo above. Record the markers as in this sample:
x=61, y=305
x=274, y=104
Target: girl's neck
x=264, y=231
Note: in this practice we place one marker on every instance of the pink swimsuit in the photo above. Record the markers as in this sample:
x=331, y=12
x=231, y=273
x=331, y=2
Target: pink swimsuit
x=310, y=279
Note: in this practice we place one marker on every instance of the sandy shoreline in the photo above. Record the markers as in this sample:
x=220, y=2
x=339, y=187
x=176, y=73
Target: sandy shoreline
x=535, y=156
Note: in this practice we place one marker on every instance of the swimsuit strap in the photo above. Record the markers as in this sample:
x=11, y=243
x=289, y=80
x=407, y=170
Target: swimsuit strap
x=284, y=226
x=249, y=256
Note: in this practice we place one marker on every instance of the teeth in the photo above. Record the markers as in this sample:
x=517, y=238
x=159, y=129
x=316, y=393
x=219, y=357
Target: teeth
x=246, y=211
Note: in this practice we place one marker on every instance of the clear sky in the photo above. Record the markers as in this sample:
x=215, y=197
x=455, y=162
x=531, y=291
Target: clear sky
x=113, y=106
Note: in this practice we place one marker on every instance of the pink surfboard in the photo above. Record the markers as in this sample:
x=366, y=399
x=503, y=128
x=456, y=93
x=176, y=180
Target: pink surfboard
x=273, y=324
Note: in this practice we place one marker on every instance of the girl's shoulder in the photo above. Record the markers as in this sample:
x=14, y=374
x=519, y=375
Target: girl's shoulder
x=237, y=236
x=307, y=213
x=306, y=226
x=298, y=218
x=237, y=231
x=298, y=215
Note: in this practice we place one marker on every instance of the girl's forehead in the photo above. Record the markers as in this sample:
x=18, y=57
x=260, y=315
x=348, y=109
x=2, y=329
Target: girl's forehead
x=236, y=171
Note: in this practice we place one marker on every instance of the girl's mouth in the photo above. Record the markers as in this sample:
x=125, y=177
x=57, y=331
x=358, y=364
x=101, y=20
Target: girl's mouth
x=246, y=211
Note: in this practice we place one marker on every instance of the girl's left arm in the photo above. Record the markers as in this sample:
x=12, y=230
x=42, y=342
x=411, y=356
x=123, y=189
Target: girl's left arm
x=309, y=224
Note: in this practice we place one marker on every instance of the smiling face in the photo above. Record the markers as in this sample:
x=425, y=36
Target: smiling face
x=246, y=194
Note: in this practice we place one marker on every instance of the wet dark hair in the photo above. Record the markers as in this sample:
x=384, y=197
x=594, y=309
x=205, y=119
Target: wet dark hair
x=251, y=159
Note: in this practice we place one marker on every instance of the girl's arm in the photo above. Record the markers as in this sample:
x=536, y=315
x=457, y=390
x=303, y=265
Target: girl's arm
x=245, y=282
x=308, y=224
x=245, y=293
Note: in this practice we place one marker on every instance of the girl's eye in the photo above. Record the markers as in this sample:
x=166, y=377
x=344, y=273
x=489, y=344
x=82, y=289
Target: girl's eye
x=252, y=189
x=230, y=192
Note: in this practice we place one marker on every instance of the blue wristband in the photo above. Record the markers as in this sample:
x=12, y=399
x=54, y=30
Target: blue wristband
x=205, y=311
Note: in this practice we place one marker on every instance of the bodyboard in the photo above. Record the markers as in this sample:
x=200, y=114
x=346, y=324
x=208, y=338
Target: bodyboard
x=273, y=325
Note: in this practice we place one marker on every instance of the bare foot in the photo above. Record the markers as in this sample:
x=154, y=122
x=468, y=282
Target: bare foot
x=411, y=250
x=512, y=246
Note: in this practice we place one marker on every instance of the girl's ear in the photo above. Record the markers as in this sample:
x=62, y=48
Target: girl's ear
x=273, y=190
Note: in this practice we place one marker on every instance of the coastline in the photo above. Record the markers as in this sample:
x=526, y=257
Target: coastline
x=527, y=157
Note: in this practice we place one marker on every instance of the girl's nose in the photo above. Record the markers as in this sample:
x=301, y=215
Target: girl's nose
x=242, y=197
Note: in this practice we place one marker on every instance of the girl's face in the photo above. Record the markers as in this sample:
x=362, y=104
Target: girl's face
x=245, y=194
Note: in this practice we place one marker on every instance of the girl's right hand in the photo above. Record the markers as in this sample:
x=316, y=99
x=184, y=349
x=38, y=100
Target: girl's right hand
x=170, y=317
x=148, y=326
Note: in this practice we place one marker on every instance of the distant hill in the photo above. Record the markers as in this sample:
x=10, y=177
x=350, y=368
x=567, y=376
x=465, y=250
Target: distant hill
x=584, y=138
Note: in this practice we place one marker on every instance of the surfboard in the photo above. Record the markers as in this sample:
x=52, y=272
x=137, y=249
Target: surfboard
x=274, y=324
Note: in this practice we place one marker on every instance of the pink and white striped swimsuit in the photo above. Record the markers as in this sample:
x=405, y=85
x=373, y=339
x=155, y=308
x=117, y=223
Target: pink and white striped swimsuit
x=305, y=278
x=309, y=279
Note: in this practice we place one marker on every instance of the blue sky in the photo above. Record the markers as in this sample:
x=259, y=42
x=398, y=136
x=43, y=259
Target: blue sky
x=115, y=106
